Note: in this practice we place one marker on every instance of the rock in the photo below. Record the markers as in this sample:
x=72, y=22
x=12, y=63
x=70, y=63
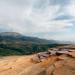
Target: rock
x=61, y=52
x=64, y=70
x=71, y=50
x=44, y=54
x=65, y=67
x=63, y=57
x=72, y=54
x=52, y=52
x=59, y=64
x=50, y=70
x=36, y=59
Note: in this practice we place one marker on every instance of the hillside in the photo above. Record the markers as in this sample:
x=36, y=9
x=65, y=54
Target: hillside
x=14, y=36
x=13, y=43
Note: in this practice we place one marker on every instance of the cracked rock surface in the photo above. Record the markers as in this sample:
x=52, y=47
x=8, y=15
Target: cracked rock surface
x=39, y=64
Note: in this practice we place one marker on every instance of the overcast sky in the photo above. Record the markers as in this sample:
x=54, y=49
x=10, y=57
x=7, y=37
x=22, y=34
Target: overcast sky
x=50, y=19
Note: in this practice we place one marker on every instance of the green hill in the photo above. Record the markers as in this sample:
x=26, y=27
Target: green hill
x=12, y=43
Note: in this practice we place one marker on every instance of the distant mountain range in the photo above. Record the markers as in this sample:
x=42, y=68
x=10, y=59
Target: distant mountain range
x=13, y=43
x=13, y=36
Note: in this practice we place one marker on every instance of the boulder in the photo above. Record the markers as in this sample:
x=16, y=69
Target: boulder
x=36, y=59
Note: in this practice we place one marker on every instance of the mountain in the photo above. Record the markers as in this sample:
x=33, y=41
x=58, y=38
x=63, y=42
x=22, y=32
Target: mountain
x=14, y=36
x=13, y=43
x=10, y=34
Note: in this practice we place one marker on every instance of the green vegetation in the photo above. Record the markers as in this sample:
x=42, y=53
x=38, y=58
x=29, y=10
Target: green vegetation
x=7, y=52
x=23, y=49
x=12, y=43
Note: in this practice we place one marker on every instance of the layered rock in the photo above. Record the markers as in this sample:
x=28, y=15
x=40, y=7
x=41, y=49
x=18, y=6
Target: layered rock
x=53, y=52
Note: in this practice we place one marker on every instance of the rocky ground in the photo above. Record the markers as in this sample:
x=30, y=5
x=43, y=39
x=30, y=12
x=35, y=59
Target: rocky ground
x=52, y=62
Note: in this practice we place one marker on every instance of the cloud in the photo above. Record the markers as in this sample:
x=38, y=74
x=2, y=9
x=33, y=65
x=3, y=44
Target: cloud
x=24, y=19
x=59, y=2
x=31, y=17
x=64, y=37
x=6, y=28
x=70, y=8
x=63, y=17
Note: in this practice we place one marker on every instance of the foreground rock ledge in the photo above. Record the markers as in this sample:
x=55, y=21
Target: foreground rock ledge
x=56, y=62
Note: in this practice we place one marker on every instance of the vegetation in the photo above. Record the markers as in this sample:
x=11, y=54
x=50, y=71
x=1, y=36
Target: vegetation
x=23, y=49
x=12, y=43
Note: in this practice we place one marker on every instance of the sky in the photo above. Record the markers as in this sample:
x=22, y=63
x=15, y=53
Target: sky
x=49, y=19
